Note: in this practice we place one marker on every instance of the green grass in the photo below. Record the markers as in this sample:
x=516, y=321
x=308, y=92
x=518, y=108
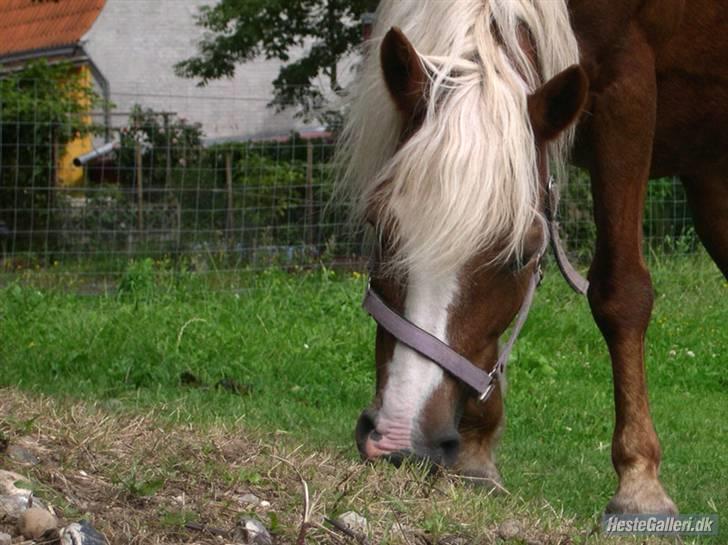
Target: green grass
x=299, y=351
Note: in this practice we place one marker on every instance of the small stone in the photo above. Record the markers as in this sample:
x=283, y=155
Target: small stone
x=5, y=539
x=34, y=522
x=13, y=506
x=12, y=483
x=22, y=455
x=354, y=522
x=509, y=529
x=82, y=533
x=265, y=504
x=252, y=532
x=251, y=499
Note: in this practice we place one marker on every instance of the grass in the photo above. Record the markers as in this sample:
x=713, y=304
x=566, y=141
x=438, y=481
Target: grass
x=290, y=357
x=143, y=479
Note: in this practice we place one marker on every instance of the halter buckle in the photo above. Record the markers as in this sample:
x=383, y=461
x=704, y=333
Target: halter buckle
x=482, y=398
x=486, y=394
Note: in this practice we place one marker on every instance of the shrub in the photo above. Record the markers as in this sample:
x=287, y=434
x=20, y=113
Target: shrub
x=42, y=107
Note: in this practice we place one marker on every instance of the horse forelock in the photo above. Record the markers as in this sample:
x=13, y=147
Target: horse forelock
x=466, y=180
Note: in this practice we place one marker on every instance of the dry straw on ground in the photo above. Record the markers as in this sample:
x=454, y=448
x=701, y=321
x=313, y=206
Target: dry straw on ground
x=141, y=479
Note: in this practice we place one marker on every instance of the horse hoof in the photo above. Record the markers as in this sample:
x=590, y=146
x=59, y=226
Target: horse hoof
x=642, y=497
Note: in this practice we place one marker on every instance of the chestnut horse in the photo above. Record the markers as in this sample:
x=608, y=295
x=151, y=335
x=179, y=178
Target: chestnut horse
x=456, y=113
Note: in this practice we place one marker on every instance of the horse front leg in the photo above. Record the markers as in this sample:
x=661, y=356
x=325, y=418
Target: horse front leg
x=620, y=292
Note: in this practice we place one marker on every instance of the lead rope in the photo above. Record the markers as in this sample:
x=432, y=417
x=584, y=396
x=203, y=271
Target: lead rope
x=575, y=280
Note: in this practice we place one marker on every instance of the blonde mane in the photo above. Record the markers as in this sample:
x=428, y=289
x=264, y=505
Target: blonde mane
x=467, y=180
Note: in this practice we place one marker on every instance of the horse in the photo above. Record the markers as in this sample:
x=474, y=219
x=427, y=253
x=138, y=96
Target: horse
x=458, y=111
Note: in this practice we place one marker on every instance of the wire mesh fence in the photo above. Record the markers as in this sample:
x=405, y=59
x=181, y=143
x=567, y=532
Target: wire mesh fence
x=81, y=197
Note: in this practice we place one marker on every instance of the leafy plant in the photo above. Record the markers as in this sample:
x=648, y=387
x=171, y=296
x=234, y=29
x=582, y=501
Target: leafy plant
x=169, y=145
x=42, y=107
x=138, y=281
x=241, y=30
x=142, y=486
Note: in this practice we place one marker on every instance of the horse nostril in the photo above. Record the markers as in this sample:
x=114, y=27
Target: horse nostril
x=447, y=449
x=364, y=427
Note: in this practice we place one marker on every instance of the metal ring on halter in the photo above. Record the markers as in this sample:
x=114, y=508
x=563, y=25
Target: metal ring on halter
x=486, y=394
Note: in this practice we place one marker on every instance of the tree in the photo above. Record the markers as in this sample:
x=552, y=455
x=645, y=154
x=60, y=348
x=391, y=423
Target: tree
x=240, y=30
x=42, y=107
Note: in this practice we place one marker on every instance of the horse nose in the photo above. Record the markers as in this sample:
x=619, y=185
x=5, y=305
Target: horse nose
x=391, y=441
x=368, y=438
x=440, y=448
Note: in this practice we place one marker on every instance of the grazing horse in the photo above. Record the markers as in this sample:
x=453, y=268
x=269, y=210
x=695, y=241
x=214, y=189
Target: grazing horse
x=458, y=112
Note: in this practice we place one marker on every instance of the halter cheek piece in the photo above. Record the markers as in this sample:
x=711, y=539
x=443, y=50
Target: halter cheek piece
x=440, y=353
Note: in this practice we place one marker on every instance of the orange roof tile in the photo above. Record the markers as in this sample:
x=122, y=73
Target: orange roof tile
x=26, y=25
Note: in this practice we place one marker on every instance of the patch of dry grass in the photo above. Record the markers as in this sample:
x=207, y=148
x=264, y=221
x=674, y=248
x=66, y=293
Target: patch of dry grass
x=140, y=479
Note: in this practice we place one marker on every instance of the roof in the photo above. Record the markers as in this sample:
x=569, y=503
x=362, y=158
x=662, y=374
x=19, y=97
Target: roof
x=27, y=25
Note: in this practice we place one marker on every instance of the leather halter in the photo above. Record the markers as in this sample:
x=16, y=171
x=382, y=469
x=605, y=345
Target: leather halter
x=440, y=353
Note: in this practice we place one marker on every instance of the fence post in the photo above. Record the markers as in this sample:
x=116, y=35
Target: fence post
x=229, y=218
x=168, y=165
x=53, y=182
x=139, y=188
x=308, y=222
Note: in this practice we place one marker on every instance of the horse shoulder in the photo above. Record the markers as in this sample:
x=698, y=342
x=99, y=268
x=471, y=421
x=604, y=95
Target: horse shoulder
x=660, y=19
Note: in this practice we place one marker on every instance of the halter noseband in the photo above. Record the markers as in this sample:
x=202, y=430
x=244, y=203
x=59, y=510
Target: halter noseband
x=440, y=353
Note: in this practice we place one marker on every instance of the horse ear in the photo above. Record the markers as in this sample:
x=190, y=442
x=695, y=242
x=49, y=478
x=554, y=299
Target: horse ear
x=403, y=72
x=558, y=103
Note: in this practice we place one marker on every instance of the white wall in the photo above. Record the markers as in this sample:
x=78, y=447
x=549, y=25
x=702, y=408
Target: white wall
x=135, y=44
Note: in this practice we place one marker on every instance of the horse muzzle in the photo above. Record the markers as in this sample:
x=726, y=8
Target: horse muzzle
x=381, y=440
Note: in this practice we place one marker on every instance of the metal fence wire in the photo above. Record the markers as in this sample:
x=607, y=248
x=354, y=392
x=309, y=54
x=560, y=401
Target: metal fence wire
x=149, y=185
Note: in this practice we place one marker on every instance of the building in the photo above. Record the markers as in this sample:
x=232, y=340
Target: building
x=136, y=44
x=127, y=49
x=53, y=30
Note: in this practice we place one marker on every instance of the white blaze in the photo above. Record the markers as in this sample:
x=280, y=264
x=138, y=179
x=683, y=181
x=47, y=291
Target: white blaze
x=412, y=378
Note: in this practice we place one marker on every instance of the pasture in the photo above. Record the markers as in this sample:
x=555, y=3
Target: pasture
x=174, y=399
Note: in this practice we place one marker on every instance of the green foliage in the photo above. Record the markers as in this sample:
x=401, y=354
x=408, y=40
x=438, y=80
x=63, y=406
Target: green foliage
x=177, y=518
x=575, y=215
x=240, y=30
x=272, y=212
x=138, y=281
x=141, y=483
x=169, y=145
x=49, y=97
x=42, y=107
x=667, y=222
